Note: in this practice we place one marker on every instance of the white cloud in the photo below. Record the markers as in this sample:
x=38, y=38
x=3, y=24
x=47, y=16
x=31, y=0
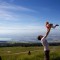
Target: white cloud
x=20, y=29
x=7, y=14
x=7, y=11
x=6, y=6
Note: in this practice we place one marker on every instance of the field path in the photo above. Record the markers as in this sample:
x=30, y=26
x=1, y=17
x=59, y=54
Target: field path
x=19, y=53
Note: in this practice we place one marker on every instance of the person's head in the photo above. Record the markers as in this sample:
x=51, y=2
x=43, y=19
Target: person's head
x=39, y=37
x=47, y=23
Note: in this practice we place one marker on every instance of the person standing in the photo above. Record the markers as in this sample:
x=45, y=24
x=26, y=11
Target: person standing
x=44, y=40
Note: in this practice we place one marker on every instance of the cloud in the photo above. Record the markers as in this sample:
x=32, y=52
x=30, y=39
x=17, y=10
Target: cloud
x=7, y=6
x=8, y=11
x=20, y=29
x=5, y=15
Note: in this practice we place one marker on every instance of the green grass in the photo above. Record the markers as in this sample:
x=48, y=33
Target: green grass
x=21, y=53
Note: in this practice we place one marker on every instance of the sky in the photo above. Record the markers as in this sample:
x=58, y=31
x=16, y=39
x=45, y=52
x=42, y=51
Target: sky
x=28, y=16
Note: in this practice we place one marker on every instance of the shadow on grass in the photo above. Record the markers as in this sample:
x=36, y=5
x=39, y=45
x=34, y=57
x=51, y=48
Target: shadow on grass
x=56, y=58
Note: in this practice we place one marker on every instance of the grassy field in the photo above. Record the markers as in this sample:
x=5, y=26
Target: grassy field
x=21, y=53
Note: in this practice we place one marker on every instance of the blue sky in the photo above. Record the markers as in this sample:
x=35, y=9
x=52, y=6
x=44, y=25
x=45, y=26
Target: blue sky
x=28, y=16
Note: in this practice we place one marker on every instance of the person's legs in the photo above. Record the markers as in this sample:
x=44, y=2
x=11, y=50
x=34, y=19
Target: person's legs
x=46, y=57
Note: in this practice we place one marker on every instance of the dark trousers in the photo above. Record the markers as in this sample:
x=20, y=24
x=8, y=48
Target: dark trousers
x=46, y=55
x=0, y=58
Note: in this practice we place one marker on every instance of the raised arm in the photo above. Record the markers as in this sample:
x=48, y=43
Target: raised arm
x=47, y=33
